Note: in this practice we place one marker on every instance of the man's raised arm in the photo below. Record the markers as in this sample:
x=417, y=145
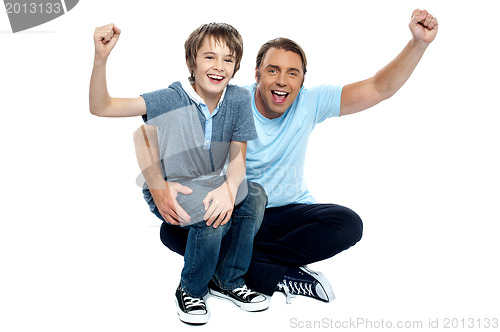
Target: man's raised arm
x=387, y=81
x=101, y=104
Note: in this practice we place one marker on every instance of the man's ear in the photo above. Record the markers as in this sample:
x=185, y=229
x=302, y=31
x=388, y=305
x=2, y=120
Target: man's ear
x=257, y=75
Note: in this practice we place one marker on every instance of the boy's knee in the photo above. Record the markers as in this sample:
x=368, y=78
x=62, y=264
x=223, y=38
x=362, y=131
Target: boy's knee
x=208, y=231
x=251, y=210
x=257, y=197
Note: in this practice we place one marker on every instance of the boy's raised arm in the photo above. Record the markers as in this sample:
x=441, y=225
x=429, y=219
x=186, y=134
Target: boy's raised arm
x=100, y=102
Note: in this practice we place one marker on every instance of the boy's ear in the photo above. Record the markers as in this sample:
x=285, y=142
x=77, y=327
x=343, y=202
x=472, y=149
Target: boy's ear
x=191, y=70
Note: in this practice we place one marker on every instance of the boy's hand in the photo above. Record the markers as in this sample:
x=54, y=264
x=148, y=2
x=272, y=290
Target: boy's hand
x=221, y=209
x=105, y=38
x=165, y=200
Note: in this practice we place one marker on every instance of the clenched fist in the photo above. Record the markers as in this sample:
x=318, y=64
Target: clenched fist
x=423, y=26
x=105, y=38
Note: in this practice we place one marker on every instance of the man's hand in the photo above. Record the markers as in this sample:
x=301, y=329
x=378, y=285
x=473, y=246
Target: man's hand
x=166, y=202
x=105, y=38
x=221, y=209
x=423, y=26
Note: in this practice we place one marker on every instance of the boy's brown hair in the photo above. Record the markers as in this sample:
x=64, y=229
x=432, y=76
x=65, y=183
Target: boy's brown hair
x=222, y=33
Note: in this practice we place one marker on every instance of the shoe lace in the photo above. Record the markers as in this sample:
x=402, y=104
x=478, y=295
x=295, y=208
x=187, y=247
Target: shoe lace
x=243, y=291
x=303, y=288
x=283, y=286
x=293, y=288
x=193, y=301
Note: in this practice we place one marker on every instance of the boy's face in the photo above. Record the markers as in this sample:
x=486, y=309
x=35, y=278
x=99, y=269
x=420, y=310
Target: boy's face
x=214, y=68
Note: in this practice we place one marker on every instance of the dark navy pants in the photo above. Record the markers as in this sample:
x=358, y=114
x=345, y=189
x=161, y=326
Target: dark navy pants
x=299, y=234
x=289, y=236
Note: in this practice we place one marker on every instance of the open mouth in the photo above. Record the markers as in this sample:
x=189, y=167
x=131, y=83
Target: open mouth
x=279, y=96
x=215, y=78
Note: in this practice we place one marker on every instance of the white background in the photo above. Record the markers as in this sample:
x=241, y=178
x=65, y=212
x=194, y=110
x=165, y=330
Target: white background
x=79, y=250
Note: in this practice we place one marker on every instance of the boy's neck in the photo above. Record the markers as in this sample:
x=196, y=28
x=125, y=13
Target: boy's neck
x=210, y=101
x=212, y=105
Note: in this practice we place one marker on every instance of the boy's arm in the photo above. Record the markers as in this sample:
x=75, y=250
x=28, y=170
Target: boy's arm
x=387, y=81
x=220, y=210
x=164, y=193
x=100, y=102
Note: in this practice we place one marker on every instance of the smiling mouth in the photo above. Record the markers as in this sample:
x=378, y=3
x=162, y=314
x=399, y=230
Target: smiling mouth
x=279, y=96
x=215, y=78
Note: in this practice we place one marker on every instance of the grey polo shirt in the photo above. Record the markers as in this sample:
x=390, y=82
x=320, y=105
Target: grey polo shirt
x=194, y=144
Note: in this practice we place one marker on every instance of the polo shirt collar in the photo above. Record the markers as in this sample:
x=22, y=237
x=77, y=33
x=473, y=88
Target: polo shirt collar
x=188, y=88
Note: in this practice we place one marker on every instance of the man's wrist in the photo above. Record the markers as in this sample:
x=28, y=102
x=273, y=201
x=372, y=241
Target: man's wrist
x=100, y=60
x=419, y=44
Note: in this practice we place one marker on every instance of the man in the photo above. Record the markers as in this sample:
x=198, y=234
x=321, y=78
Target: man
x=295, y=231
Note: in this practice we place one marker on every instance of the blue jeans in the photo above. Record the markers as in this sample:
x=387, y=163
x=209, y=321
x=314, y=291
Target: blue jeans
x=224, y=253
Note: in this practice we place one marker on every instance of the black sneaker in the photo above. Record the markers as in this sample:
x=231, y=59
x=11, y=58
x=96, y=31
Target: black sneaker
x=303, y=281
x=190, y=309
x=243, y=297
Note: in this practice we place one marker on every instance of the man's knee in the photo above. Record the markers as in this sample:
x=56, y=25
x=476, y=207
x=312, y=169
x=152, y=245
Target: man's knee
x=341, y=229
x=174, y=237
x=346, y=223
x=356, y=225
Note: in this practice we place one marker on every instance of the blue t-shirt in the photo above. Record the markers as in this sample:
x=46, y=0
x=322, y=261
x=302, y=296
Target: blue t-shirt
x=194, y=144
x=276, y=159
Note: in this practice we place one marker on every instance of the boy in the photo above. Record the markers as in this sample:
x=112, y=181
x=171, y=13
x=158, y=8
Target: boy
x=199, y=124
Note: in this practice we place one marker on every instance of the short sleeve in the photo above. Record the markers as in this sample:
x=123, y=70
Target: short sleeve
x=159, y=102
x=244, y=125
x=328, y=99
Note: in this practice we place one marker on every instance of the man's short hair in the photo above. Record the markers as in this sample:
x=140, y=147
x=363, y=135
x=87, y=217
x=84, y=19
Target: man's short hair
x=283, y=44
x=222, y=33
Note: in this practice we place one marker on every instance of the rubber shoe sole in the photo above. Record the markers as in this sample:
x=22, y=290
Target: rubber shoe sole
x=323, y=288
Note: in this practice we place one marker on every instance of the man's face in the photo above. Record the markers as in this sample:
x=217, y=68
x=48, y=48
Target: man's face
x=214, y=68
x=279, y=80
